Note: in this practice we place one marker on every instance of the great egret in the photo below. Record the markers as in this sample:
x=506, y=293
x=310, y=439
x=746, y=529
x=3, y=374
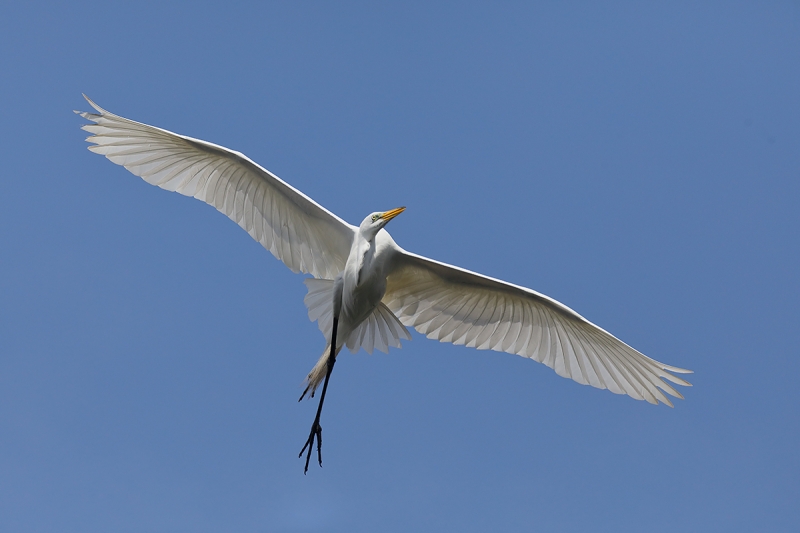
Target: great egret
x=365, y=288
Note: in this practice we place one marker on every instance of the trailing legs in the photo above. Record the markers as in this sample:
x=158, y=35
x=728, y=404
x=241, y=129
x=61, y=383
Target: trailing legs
x=316, y=428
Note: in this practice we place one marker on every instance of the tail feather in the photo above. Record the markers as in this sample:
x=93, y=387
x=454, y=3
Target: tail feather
x=317, y=374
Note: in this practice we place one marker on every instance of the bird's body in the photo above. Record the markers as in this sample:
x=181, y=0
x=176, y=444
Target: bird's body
x=364, y=277
x=358, y=290
x=365, y=288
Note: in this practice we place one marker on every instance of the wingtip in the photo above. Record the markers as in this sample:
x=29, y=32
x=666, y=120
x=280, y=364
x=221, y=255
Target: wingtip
x=676, y=369
x=91, y=103
x=88, y=116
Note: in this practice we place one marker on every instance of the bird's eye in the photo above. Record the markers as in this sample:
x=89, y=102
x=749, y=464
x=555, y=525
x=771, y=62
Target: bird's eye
x=375, y=217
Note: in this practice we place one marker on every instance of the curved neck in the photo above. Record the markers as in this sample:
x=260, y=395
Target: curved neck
x=361, y=250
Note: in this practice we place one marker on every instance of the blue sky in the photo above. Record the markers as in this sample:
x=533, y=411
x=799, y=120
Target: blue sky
x=638, y=162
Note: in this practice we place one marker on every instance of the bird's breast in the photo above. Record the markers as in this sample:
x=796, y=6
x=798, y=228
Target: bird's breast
x=363, y=287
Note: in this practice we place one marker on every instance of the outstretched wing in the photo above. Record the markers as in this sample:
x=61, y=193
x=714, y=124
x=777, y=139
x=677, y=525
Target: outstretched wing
x=451, y=304
x=298, y=231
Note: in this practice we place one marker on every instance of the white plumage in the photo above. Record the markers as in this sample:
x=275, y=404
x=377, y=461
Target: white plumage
x=374, y=287
x=298, y=231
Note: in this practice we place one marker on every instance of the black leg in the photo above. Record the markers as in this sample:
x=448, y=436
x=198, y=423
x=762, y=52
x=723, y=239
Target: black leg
x=316, y=429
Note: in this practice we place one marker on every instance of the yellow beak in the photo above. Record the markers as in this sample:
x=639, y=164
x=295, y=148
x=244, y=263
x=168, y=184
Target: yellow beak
x=389, y=215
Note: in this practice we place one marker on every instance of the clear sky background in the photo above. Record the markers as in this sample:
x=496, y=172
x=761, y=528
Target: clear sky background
x=638, y=162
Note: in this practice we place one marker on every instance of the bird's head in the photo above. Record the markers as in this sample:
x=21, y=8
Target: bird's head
x=375, y=221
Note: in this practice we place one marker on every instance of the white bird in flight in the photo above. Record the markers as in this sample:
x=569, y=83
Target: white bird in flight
x=365, y=288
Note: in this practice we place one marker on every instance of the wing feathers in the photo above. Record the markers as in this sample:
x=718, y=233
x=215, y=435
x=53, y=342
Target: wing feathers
x=454, y=305
x=295, y=229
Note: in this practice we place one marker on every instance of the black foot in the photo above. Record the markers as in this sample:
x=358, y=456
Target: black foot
x=316, y=433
